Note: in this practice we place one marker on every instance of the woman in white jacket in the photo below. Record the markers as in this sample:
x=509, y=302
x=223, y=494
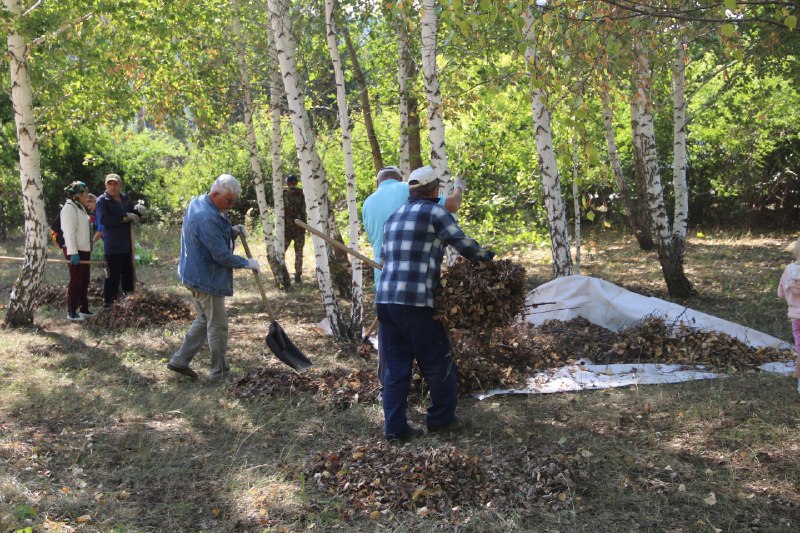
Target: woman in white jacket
x=789, y=289
x=77, y=247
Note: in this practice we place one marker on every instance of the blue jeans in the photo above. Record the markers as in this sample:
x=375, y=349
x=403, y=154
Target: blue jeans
x=405, y=334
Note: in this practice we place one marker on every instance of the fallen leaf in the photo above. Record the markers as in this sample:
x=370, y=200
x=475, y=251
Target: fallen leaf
x=711, y=499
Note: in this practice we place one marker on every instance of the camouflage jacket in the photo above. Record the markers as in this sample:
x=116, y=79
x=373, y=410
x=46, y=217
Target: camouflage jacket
x=294, y=204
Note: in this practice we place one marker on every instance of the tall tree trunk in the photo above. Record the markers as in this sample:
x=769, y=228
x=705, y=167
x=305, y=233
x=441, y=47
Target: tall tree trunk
x=613, y=157
x=252, y=147
x=671, y=261
x=404, y=69
x=548, y=166
x=644, y=234
x=414, y=127
x=366, y=109
x=276, y=92
x=20, y=306
x=680, y=220
x=430, y=72
x=576, y=203
x=357, y=314
x=314, y=180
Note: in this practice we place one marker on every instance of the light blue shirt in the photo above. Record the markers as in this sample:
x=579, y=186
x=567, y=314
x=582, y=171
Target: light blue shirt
x=377, y=209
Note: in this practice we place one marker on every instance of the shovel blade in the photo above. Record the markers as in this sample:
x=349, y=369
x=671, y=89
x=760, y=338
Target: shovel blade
x=284, y=349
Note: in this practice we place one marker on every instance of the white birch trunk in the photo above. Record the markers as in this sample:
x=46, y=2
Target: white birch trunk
x=314, y=182
x=37, y=231
x=548, y=167
x=642, y=108
x=357, y=314
x=403, y=60
x=576, y=203
x=680, y=219
x=430, y=72
x=275, y=93
x=252, y=145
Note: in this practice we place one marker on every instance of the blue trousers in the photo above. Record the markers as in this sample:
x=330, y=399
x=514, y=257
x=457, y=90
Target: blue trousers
x=405, y=334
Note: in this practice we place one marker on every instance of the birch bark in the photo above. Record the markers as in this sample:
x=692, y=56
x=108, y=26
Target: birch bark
x=21, y=303
x=430, y=72
x=276, y=91
x=252, y=146
x=680, y=219
x=314, y=181
x=671, y=262
x=548, y=167
x=357, y=314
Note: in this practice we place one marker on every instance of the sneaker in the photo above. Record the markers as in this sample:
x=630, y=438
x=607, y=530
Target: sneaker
x=106, y=305
x=459, y=423
x=75, y=317
x=186, y=371
x=86, y=314
x=411, y=434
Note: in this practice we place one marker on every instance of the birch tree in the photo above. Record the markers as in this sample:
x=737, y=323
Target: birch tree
x=642, y=120
x=314, y=180
x=37, y=231
x=680, y=219
x=430, y=72
x=548, y=166
x=252, y=148
x=357, y=314
x=276, y=91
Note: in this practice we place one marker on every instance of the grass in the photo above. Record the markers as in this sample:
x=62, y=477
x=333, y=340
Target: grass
x=95, y=435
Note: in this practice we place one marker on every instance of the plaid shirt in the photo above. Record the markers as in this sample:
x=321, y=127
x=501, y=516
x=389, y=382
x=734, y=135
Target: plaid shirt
x=414, y=238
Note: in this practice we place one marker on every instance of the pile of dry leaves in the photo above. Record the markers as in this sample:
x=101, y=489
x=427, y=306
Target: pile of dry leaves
x=333, y=388
x=56, y=295
x=480, y=296
x=378, y=478
x=506, y=357
x=142, y=309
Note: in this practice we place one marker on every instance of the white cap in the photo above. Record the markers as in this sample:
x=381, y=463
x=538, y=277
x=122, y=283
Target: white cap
x=390, y=172
x=422, y=176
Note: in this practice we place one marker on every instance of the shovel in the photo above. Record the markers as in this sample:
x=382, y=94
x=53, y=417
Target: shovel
x=277, y=340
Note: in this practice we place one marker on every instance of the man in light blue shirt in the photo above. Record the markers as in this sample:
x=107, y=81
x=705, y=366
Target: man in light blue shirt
x=391, y=194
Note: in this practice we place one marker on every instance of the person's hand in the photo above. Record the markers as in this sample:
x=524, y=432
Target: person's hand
x=237, y=230
x=460, y=184
x=140, y=209
x=252, y=264
x=74, y=259
x=133, y=217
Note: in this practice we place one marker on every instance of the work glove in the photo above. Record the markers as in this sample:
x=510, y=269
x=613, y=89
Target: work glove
x=237, y=230
x=252, y=264
x=133, y=217
x=140, y=209
x=74, y=259
x=460, y=184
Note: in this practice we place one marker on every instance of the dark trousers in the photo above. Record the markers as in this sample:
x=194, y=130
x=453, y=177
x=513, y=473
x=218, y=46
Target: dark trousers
x=405, y=334
x=78, y=288
x=119, y=269
x=297, y=235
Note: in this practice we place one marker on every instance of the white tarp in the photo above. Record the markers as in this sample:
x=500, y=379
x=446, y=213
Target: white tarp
x=613, y=307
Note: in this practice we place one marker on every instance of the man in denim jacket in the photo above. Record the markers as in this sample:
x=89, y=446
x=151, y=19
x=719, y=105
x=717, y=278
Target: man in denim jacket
x=206, y=269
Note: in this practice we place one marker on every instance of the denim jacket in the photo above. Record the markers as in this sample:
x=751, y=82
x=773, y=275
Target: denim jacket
x=207, y=262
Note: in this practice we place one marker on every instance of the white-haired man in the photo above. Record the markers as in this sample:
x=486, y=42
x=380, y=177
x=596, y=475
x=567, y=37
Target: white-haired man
x=206, y=268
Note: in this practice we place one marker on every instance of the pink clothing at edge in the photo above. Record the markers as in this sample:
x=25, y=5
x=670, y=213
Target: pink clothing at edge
x=789, y=288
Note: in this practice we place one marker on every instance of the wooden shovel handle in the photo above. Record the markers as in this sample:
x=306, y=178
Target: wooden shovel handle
x=7, y=258
x=337, y=244
x=258, y=279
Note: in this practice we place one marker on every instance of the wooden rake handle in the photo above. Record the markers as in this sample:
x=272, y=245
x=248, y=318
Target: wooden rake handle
x=337, y=244
x=63, y=261
x=258, y=280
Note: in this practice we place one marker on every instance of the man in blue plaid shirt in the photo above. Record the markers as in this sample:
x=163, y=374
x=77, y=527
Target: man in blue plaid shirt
x=414, y=238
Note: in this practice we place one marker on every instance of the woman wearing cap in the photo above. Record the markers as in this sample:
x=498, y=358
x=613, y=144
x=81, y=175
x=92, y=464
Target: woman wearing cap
x=77, y=247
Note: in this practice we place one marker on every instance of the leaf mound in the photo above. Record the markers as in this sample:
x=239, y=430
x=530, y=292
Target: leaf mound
x=480, y=296
x=140, y=310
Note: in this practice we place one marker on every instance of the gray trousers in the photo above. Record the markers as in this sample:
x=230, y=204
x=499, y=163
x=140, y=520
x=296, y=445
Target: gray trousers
x=211, y=324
